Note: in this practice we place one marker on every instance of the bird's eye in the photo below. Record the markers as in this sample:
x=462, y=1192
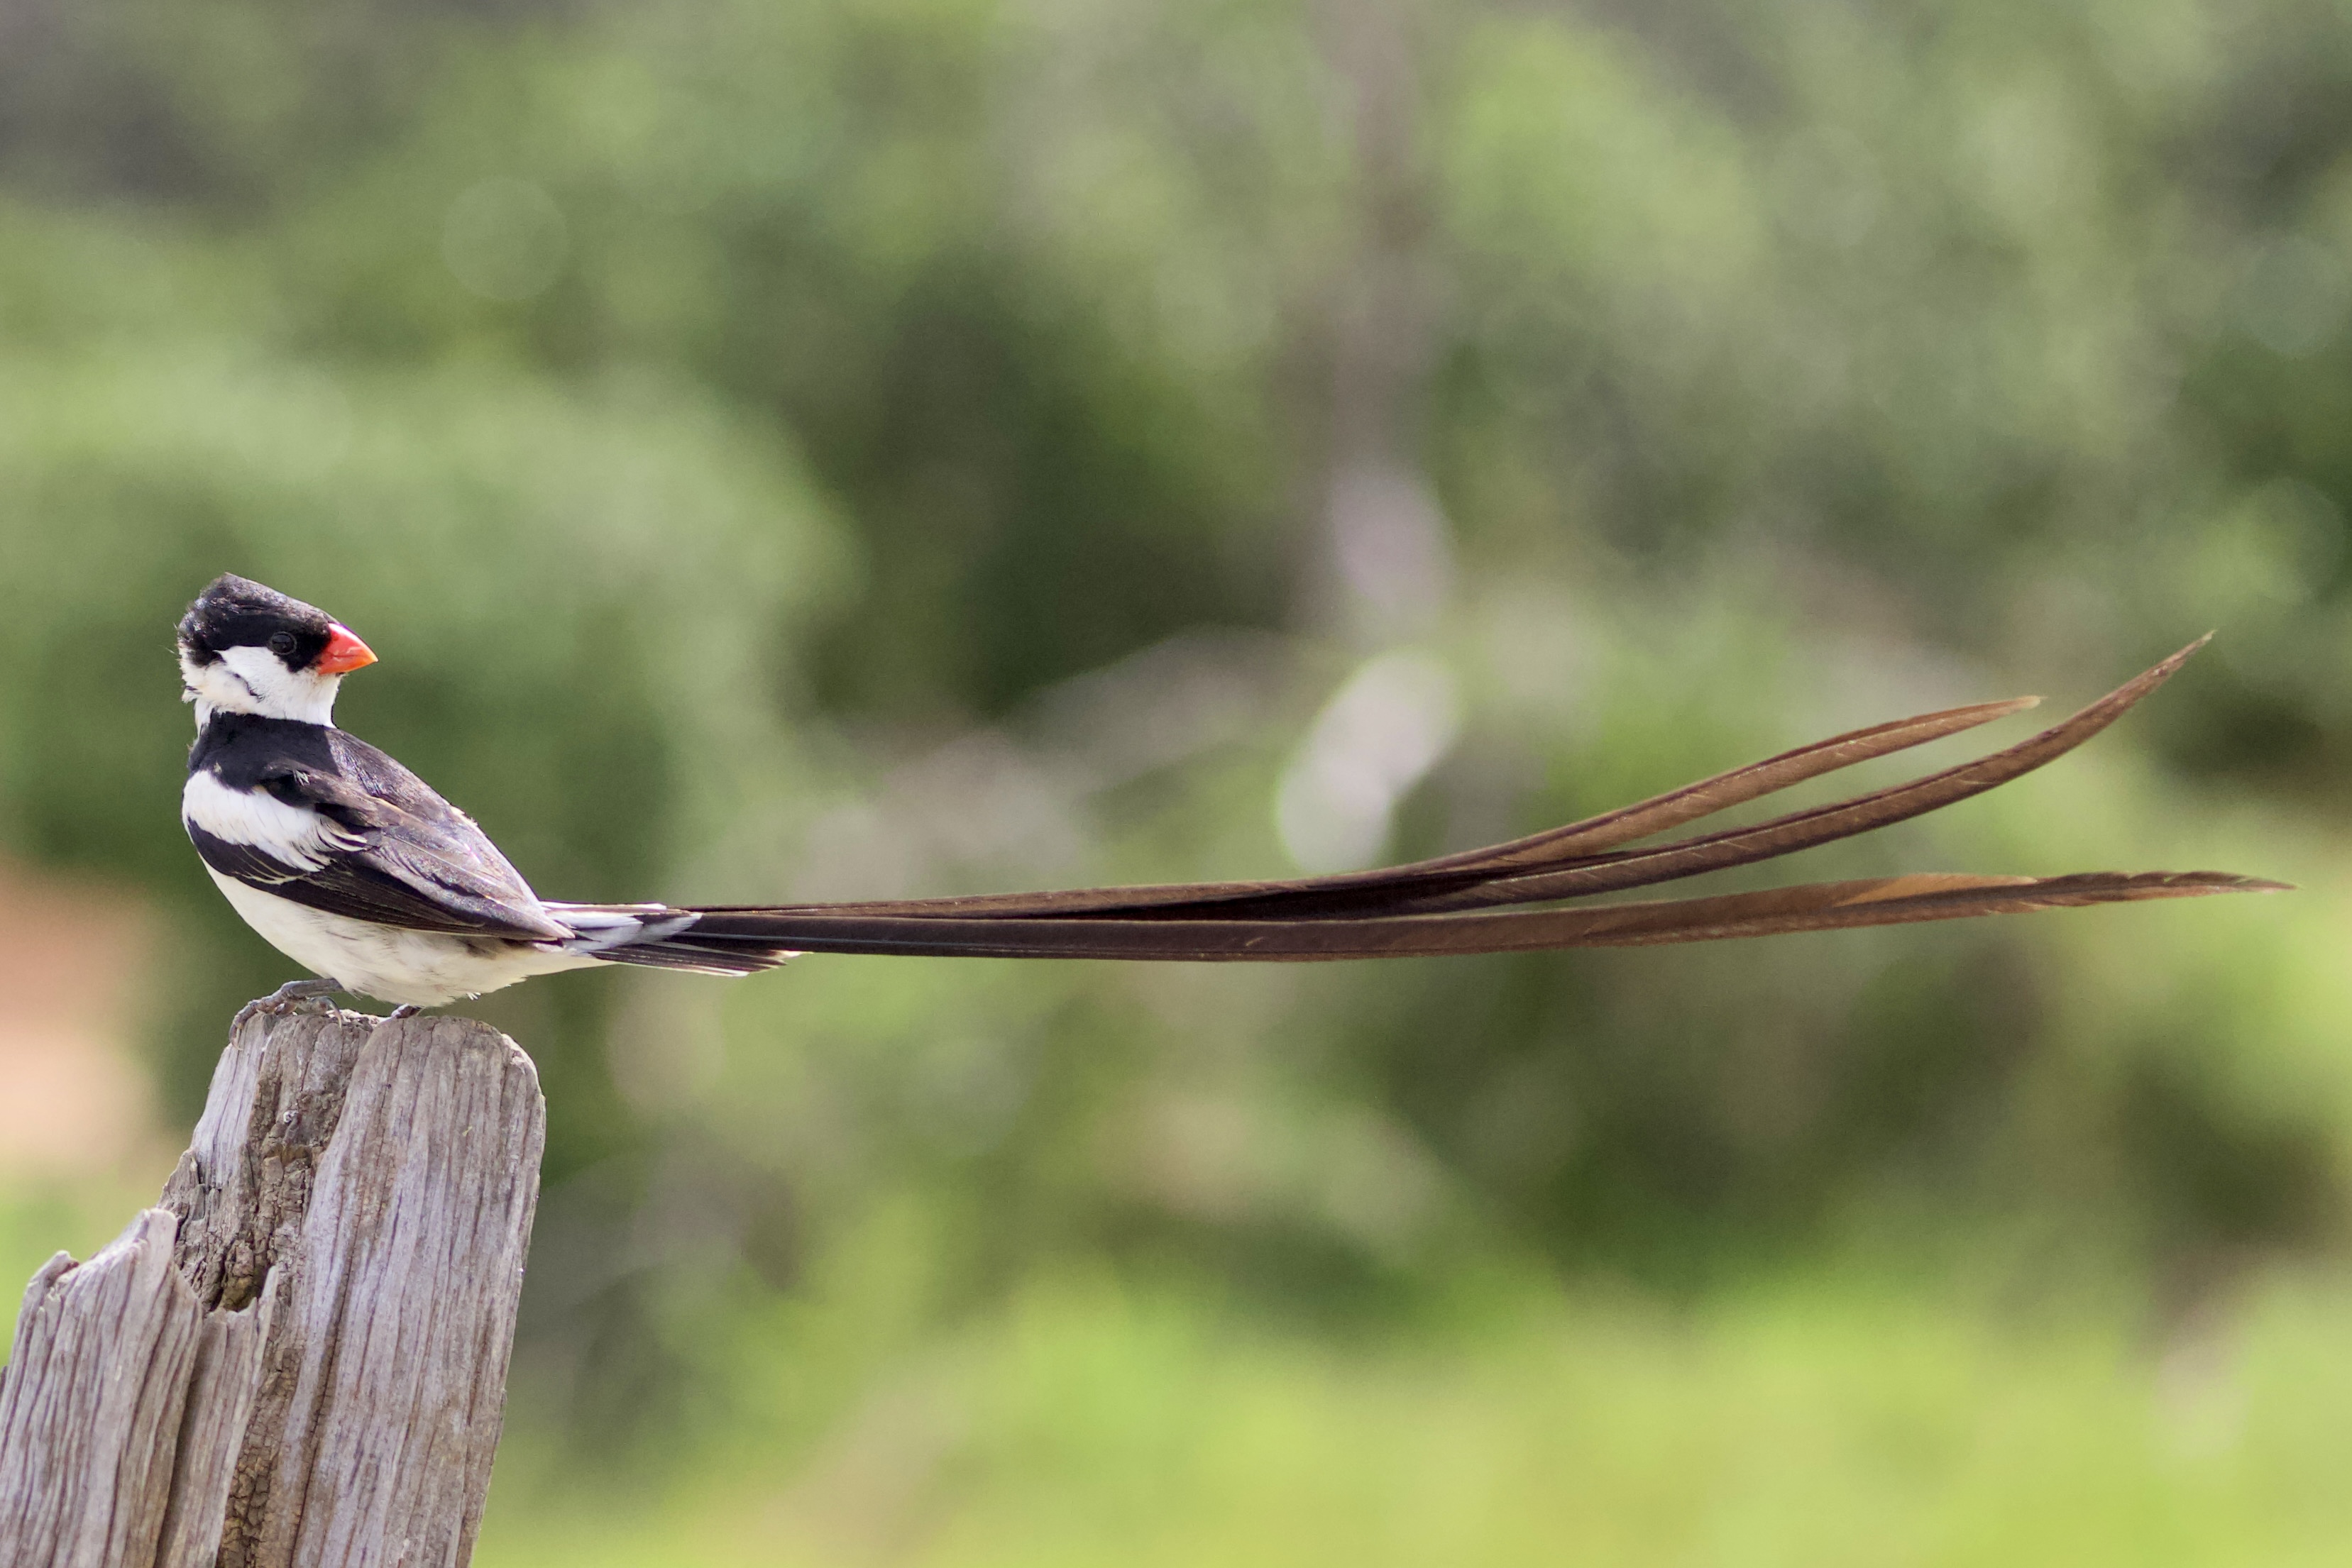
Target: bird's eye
x=281, y=644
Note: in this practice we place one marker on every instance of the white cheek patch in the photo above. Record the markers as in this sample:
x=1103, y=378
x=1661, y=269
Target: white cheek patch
x=254, y=681
x=213, y=690
x=291, y=835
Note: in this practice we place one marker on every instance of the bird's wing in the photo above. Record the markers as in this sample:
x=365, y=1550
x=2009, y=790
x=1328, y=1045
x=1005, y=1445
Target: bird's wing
x=1430, y=906
x=329, y=822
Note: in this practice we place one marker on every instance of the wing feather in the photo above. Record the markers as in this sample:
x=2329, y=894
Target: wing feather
x=386, y=848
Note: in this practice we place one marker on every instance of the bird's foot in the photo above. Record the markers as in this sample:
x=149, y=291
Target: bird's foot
x=405, y=1010
x=293, y=997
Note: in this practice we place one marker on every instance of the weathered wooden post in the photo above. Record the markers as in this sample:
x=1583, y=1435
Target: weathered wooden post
x=300, y=1357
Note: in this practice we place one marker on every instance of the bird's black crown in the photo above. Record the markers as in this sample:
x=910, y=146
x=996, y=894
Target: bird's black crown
x=238, y=612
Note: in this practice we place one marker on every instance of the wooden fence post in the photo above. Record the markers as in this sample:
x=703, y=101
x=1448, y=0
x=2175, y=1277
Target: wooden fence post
x=300, y=1357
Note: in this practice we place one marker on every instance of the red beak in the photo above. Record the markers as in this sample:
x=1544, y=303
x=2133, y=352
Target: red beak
x=344, y=653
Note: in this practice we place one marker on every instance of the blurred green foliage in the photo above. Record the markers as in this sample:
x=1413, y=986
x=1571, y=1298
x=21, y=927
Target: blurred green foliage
x=1834, y=1422
x=877, y=446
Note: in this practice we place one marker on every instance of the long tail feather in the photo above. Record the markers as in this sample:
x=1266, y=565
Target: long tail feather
x=1519, y=857
x=1423, y=908
x=1804, y=829
x=1817, y=907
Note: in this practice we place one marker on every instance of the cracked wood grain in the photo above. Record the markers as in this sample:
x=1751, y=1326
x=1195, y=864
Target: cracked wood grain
x=298, y=1358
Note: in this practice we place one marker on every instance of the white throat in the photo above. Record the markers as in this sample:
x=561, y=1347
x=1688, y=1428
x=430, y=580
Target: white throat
x=254, y=681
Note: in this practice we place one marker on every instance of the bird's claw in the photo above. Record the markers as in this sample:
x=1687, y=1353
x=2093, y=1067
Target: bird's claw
x=293, y=997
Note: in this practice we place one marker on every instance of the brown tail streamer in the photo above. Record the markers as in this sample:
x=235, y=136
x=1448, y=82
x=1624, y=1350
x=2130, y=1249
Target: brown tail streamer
x=1429, y=907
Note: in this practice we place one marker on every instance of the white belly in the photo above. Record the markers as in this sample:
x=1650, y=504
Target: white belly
x=422, y=968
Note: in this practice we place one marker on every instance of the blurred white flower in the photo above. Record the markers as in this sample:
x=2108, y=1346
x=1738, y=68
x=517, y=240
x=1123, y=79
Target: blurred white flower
x=1395, y=719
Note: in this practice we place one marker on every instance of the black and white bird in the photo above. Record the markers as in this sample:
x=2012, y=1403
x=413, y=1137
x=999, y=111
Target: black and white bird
x=354, y=867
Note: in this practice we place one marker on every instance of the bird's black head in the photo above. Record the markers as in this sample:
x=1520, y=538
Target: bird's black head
x=238, y=612
x=244, y=648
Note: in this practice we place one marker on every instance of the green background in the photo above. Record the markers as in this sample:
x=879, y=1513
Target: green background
x=869, y=447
